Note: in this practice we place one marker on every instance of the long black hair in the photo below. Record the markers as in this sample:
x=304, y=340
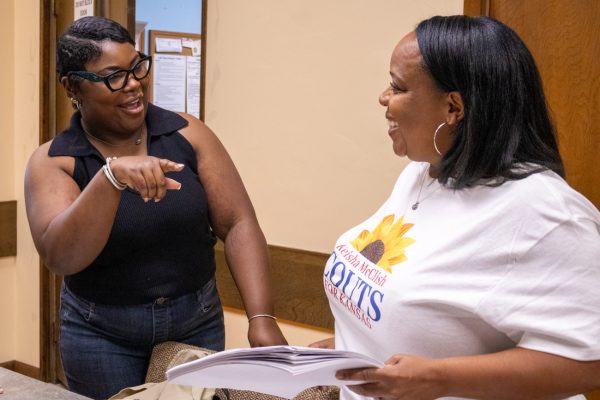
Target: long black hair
x=506, y=132
x=81, y=42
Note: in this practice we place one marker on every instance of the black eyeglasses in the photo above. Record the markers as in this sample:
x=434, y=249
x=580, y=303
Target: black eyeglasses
x=118, y=80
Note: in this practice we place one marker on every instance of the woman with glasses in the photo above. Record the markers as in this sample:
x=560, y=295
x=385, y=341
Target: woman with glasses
x=127, y=203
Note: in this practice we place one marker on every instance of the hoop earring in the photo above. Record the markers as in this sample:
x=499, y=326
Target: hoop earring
x=435, y=136
x=75, y=103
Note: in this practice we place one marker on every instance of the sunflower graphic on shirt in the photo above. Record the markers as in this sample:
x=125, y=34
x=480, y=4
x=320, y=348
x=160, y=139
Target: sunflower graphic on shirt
x=385, y=245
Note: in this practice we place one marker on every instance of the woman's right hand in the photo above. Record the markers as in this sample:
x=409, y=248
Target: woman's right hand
x=328, y=343
x=146, y=175
x=70, y=226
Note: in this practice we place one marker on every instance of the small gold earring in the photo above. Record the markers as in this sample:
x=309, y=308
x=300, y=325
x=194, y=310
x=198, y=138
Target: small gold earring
x=75, y=102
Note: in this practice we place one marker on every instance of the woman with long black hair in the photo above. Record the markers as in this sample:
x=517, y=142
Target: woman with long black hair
x=479, y=277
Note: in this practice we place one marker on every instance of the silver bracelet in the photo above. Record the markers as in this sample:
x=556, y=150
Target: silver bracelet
x=110, y=176
x=262, y=315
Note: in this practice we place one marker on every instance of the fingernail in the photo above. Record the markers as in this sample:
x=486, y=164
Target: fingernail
x=146, y=199
x=180, y=165
x=179, y=187
x=156, y=200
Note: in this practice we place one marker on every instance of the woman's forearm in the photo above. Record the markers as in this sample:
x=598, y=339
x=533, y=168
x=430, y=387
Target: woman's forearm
x=512, y=374
x=248, y=260
x=518, y=374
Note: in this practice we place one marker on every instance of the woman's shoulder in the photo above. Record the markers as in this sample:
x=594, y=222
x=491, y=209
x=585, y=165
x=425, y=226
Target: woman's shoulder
x=192, y=121
x=44, y=151
x=42, y=161
x=161, y=121
x=547, y=192
x=179, y=126
x=41, y=152
x=198, y=133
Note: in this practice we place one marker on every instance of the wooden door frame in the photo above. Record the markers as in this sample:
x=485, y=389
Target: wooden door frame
x=49, y=293
x=48, y=327
x=476, y=7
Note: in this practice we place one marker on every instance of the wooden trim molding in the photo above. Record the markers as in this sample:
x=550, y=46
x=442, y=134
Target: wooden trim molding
x=297, y=279
x=8, y=228
x=22, y=368
x=47, y=121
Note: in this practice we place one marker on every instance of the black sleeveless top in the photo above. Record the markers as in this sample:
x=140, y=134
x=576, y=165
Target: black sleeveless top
x=163, y=249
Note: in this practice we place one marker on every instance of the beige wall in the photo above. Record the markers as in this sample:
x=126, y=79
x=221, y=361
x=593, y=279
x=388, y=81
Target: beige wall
x=19, y=107
x=7, y=87
x=292, y=89
x=26, y=139
x=7, y=189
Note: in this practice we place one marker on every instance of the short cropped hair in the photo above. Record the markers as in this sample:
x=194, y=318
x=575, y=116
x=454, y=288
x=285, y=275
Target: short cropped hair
x=506, y=132
x=81, y=42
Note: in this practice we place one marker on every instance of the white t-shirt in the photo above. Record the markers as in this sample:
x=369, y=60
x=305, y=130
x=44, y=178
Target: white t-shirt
x=468, y=272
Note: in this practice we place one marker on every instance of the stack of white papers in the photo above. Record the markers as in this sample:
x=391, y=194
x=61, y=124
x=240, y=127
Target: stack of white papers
x=282, y=371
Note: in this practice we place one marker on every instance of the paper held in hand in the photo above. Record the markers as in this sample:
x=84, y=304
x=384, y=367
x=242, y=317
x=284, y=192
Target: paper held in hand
x=282, y=371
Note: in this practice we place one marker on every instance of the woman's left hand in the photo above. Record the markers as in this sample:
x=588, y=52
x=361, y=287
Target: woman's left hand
x=265, y=332
x=515, y=373
x=402, y=377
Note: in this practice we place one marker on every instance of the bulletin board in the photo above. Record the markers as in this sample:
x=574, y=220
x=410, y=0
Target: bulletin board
x=177, y=75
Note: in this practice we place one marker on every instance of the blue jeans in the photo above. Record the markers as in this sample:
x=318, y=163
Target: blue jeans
x=107, y=348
